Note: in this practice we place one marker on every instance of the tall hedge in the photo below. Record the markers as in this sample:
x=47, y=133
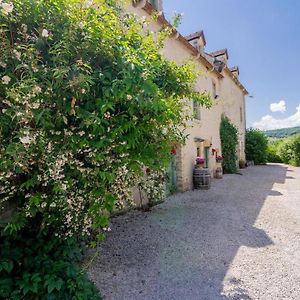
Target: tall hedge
x=256, y=146
x=229, y=142
x=86, y=101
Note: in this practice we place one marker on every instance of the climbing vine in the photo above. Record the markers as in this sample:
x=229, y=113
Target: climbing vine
x=229, y=142
x=86, y=101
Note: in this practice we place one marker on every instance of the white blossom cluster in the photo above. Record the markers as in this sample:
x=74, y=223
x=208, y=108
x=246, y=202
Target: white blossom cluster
x=122, y=188
x=153, y=185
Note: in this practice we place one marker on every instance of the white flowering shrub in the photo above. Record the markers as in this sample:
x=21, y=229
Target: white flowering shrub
x=154, y=185
x=85, y=101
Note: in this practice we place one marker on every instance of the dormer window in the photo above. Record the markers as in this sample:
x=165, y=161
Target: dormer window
x=221, y=55
x=157, y=4
x=197, y=40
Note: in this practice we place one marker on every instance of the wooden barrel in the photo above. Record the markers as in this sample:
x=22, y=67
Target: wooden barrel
x=201, y=179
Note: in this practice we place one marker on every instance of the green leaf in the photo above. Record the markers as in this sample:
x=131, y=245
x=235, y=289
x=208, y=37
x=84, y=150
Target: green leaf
x=6, y=265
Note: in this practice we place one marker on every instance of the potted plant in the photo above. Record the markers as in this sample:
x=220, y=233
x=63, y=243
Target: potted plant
x=200, y=161
x=219, y=158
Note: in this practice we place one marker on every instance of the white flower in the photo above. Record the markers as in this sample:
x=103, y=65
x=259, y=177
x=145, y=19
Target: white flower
x=36, y=89
x=6, y=79
x=24, y=27
x=88, y=3
x=3, y=65
x=45, y=33
x=43, y=205
x=53, y=204
x=129, y=97
x=35, y=105
x=7, y=7
x=83, y=91
x=25, y=139
x=17, y=54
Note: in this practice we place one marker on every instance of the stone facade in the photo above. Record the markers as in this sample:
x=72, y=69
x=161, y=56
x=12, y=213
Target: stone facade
x=219, y=80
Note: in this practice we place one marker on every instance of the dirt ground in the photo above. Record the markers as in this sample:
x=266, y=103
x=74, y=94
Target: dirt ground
x=238, y=240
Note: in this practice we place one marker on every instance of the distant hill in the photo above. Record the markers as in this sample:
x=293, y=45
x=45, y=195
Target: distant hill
x=281, y=133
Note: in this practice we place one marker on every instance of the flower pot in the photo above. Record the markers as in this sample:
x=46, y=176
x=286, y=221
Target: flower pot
x=199, y=166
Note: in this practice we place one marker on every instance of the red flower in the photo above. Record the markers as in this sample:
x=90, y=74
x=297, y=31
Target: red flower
x=173, y=151
x=200, y=160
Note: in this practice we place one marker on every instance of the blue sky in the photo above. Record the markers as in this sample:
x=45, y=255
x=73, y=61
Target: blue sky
x=263, y=39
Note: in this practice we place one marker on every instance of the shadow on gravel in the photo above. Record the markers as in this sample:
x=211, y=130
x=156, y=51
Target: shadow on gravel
x=183, y=248
x=275, y=193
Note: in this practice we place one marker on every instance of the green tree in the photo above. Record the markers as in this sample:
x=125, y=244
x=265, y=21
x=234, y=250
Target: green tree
x=229, y=141
x=86, y=101
x=256, y=146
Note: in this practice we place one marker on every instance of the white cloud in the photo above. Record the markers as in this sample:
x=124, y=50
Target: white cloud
x=280, y=106
x=268, y=122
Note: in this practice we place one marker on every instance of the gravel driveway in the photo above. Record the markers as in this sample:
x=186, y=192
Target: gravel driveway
x=239, y=240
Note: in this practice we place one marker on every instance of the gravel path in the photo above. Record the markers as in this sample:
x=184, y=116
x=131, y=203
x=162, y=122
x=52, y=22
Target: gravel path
x=239, y=240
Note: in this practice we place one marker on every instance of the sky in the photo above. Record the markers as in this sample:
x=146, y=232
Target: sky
x=263, y=39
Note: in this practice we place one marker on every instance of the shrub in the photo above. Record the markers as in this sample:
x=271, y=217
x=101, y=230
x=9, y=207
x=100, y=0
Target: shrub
x=272, y=151
x=256, y=146
x=229, y=141
x=85, y=102
x=41, y=268
x=289, y=150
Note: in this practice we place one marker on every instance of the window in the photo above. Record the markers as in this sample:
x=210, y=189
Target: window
x=196, y=110
x=214, y=90
x=241, y=114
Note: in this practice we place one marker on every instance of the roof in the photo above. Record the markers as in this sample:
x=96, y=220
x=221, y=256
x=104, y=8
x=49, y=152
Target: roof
x=196, y=35
x=220, y=52
x=206, y=59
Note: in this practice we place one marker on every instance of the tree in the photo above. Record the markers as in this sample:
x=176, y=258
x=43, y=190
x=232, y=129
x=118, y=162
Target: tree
x=256, y=146
x=229, y=141
x=86, y=100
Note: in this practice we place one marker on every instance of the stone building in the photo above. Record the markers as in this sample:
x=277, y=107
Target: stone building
x=220, y=80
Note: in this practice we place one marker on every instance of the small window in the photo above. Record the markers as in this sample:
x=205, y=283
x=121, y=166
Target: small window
x=214, y=90
x=241, y=114
x=196, y=110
